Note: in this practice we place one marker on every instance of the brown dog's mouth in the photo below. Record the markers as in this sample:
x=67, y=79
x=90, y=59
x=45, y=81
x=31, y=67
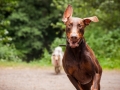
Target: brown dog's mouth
x=74, y=44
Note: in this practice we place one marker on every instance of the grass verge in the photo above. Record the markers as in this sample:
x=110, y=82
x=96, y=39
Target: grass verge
x=105, y=63
x=110, y=63
x=33, y=64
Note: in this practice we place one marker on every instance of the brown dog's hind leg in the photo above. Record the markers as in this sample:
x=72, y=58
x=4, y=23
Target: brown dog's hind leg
x=75, y=82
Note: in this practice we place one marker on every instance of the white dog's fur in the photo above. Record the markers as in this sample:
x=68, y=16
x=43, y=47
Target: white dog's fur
x=56, y=58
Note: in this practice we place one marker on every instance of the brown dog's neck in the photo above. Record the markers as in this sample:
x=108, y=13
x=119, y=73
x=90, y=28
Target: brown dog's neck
x=77, y=50
x=81, y=44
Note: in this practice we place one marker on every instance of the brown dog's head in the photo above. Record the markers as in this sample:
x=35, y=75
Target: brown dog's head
x=75, y=26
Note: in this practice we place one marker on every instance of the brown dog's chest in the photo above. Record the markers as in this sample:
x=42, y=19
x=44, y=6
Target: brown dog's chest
x=82, y=71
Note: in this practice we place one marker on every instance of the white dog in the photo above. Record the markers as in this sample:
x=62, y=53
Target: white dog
x=56, y=59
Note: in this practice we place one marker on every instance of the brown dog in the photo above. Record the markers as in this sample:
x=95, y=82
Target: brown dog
x=79, y=61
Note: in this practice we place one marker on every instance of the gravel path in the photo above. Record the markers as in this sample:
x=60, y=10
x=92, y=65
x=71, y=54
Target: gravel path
x=46, y=79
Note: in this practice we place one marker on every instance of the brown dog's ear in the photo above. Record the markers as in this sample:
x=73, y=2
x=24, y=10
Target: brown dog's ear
x=67, y=13
x=89, y=19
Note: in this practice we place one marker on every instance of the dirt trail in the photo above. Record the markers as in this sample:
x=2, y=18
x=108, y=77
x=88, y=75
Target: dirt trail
x=46, y=79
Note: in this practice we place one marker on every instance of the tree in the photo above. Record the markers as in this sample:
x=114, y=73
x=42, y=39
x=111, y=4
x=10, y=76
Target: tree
x=35, y=24
x=31, y=27
x=6, y=8
x=7, y=49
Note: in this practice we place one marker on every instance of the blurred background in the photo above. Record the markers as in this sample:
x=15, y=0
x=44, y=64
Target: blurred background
x=31, y=29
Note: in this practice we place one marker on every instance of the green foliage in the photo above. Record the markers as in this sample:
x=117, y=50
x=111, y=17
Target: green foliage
x=31, y=27
x=9, y=53
x=36, y=28
x=46, y=58
x=110, y=63
x=6, y=7
x=58, y=42
x=106, y=10
x=108, y=13
x=104, y=43
x=3, y=36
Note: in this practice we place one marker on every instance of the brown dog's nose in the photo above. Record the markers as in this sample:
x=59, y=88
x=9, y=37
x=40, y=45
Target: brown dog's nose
x=73, y=37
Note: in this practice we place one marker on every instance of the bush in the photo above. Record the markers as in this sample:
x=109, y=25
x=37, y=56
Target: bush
x=9, y=53
x=104, y=43
x=46, y=58
x=58, y=42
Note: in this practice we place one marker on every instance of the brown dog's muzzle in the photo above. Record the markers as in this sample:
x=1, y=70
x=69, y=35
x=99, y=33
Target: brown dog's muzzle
x=73, y=44
x=73, y=41
x=73, y=37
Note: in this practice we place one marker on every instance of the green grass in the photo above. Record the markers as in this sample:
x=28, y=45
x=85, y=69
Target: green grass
x=110, y=63
x=33, y=64
x=105, y=63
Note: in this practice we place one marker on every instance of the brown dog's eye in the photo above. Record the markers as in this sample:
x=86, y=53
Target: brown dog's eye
x=79, y=26
x=70, y=25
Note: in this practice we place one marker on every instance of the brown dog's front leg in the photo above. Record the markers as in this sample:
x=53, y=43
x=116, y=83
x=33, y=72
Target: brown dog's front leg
x=96, y=82
x=75, y=82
